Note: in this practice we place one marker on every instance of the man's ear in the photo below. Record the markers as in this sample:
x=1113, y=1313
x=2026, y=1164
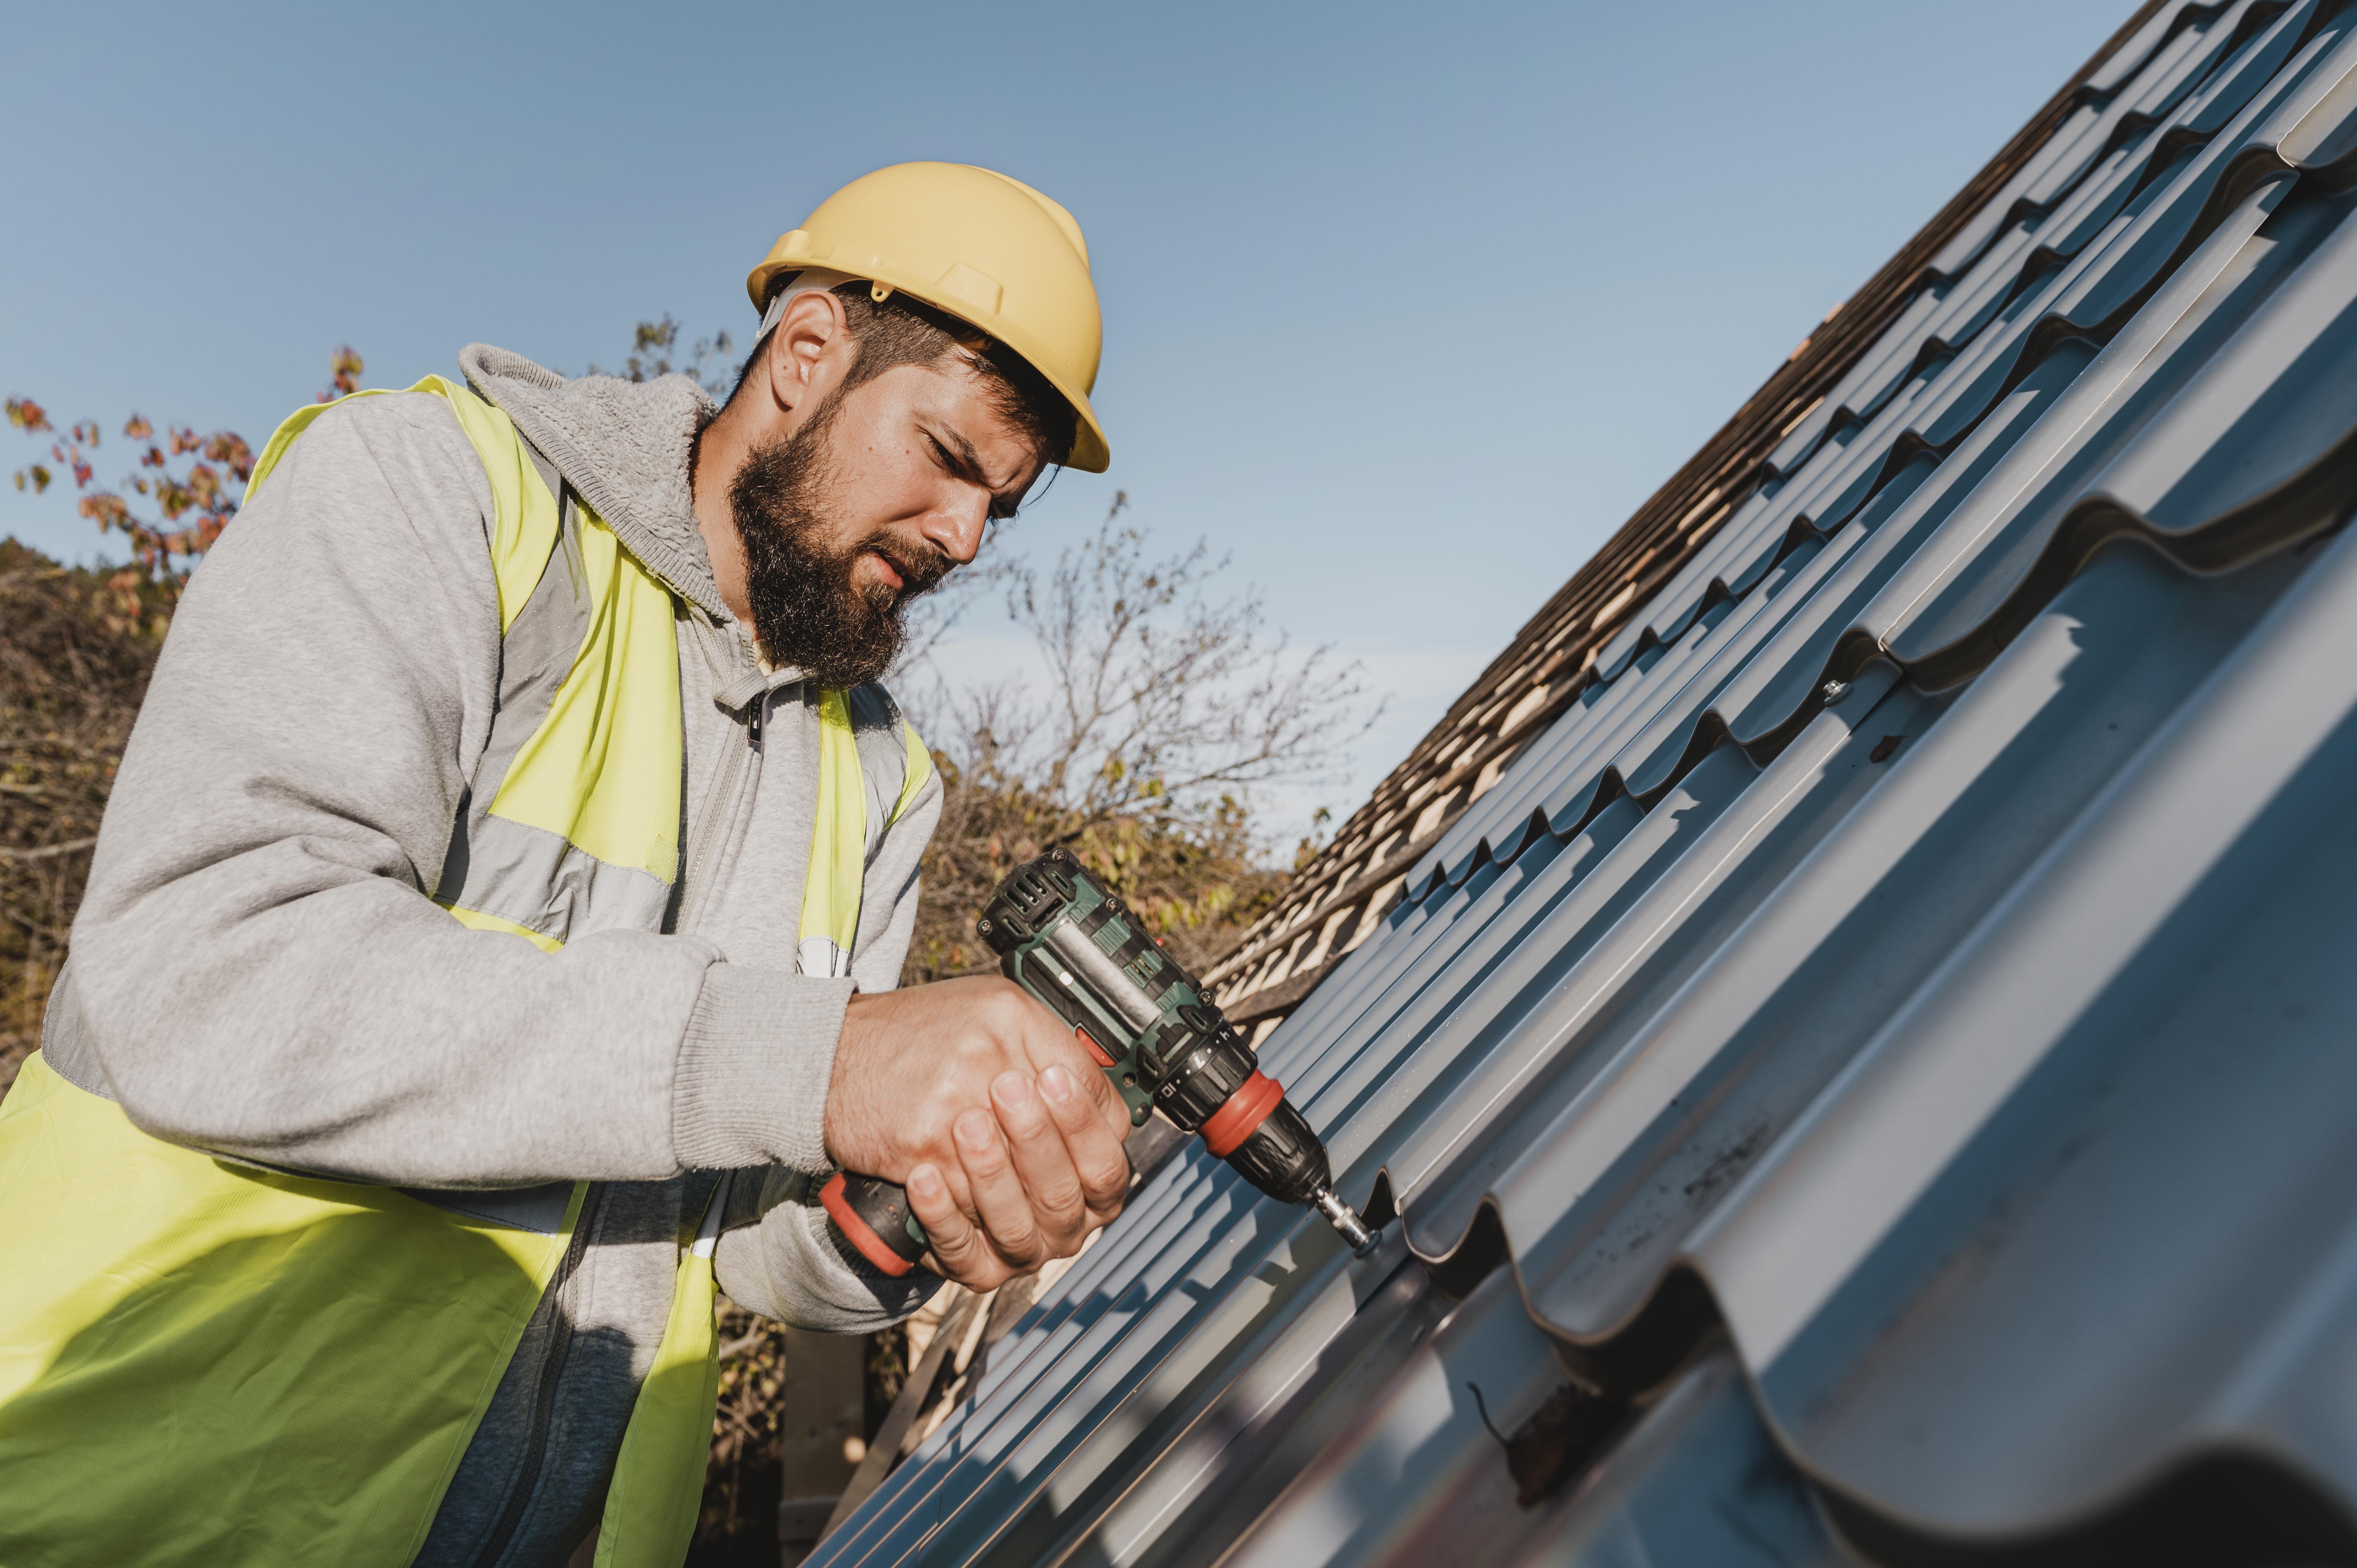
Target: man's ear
x=813, y=323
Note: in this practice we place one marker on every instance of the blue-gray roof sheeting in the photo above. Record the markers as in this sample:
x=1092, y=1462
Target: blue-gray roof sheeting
x=2292, y=114
x=1965, y=385
x=2172, y=32
x=1879, y=1058
x=1697, y=1479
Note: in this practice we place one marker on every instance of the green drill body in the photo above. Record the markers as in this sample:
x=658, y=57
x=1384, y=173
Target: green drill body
x=1066, y=939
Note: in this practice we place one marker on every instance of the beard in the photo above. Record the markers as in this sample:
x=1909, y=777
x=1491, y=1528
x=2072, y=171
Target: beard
x=806, y=610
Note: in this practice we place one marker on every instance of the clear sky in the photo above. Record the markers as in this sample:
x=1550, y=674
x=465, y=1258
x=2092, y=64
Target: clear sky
x=1406, y=307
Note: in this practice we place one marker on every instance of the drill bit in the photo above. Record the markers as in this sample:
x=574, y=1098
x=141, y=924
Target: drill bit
x=1344, y=1219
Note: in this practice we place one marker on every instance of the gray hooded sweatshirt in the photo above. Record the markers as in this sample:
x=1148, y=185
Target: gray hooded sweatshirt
x=259, y=971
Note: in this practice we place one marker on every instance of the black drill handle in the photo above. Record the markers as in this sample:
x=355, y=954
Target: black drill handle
x=874, y=1216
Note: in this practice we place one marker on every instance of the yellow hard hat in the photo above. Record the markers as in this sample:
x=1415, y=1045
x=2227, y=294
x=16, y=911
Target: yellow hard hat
x=984, y=248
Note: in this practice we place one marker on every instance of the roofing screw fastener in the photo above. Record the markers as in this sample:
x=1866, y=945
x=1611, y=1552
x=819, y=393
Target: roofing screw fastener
x=1833, y=691
x=1344, y=1219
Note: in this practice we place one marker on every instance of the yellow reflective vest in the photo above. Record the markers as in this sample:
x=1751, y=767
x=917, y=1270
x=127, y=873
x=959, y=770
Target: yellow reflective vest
x=305, y=1360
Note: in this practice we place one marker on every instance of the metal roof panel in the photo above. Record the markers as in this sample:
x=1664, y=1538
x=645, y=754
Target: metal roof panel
x=1867, y=1082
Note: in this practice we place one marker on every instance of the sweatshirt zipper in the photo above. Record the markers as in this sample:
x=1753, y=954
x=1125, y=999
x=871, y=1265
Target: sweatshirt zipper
x=551, y=1373
x=720, y=804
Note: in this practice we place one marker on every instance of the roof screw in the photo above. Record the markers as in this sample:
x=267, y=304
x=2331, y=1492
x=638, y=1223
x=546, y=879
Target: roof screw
x=1833, y=691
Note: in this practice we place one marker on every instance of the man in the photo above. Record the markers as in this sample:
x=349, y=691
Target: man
x=493, y=933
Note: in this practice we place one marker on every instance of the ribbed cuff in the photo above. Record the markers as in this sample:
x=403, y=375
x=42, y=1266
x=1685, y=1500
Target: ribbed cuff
x=751, y=1087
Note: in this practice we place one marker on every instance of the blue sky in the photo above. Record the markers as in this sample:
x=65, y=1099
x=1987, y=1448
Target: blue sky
x=1406, y=308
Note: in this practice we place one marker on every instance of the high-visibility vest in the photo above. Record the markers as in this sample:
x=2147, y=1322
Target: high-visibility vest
x=206, y=1361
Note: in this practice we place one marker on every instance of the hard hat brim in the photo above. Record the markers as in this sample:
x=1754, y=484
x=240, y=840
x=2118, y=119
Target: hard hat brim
x=1091, y=453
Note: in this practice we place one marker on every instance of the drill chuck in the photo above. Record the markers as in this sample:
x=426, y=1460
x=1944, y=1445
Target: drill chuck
x=1064, y=936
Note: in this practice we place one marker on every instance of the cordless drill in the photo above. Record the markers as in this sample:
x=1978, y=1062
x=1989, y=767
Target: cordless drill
x=1063, y=936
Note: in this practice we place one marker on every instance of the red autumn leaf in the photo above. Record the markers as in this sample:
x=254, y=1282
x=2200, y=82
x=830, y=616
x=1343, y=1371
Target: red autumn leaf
x=107, y=511
x=202, y=497
x=228, y=446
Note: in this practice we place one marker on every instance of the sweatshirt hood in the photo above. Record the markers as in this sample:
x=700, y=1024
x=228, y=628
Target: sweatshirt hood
x=624, y=445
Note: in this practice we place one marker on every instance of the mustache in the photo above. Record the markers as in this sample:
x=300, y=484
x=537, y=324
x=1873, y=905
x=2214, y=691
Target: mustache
x=921, y=565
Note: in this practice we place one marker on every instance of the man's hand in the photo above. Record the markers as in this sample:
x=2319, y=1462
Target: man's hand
x=987, y=1110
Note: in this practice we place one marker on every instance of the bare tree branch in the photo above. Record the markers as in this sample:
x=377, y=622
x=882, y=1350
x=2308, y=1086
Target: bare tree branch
x=1157, y=706
x=47, y=852
x=1161, y=696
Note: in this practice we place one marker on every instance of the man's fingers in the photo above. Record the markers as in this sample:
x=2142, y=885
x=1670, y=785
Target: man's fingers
x=1053, y=1044
x=1024, y=1194
x=1098, y=1163
x=952, y=1174
x=960, y=1252
x=1103, y=1095
x=1059, y=1205
x=998, y=1196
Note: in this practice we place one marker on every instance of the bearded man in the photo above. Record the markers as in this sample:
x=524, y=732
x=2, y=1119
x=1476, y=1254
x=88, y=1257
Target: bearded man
x=494, y=933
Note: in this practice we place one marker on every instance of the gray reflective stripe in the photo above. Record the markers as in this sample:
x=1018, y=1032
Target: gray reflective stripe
x=715, y=1208
x=538, y=880
x=821, y=957
x=540, y=1209
x=883, y=756
x=542, y=467
x=537, y=654
x=528, y=875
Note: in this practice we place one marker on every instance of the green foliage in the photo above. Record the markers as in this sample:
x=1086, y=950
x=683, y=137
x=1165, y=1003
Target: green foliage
x=1193, y=875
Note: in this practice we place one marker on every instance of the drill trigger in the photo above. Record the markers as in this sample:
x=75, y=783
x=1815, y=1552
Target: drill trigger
x=1104, y=1058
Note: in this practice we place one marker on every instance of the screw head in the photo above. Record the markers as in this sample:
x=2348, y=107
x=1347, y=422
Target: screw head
x=1834, y=691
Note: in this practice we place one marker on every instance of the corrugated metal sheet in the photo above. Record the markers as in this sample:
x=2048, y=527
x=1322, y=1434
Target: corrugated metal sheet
x=1872, y=1079
x=1851, y=361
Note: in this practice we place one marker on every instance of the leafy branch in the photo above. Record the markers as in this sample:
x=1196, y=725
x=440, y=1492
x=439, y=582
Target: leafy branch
x=1158, y=707
x=194, y=484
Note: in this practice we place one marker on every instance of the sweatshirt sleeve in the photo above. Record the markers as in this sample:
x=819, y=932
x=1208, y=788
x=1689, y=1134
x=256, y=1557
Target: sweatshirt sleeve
x=258, y=969
x=778, y=1259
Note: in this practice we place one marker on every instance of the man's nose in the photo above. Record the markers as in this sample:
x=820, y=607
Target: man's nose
x=956, y=529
